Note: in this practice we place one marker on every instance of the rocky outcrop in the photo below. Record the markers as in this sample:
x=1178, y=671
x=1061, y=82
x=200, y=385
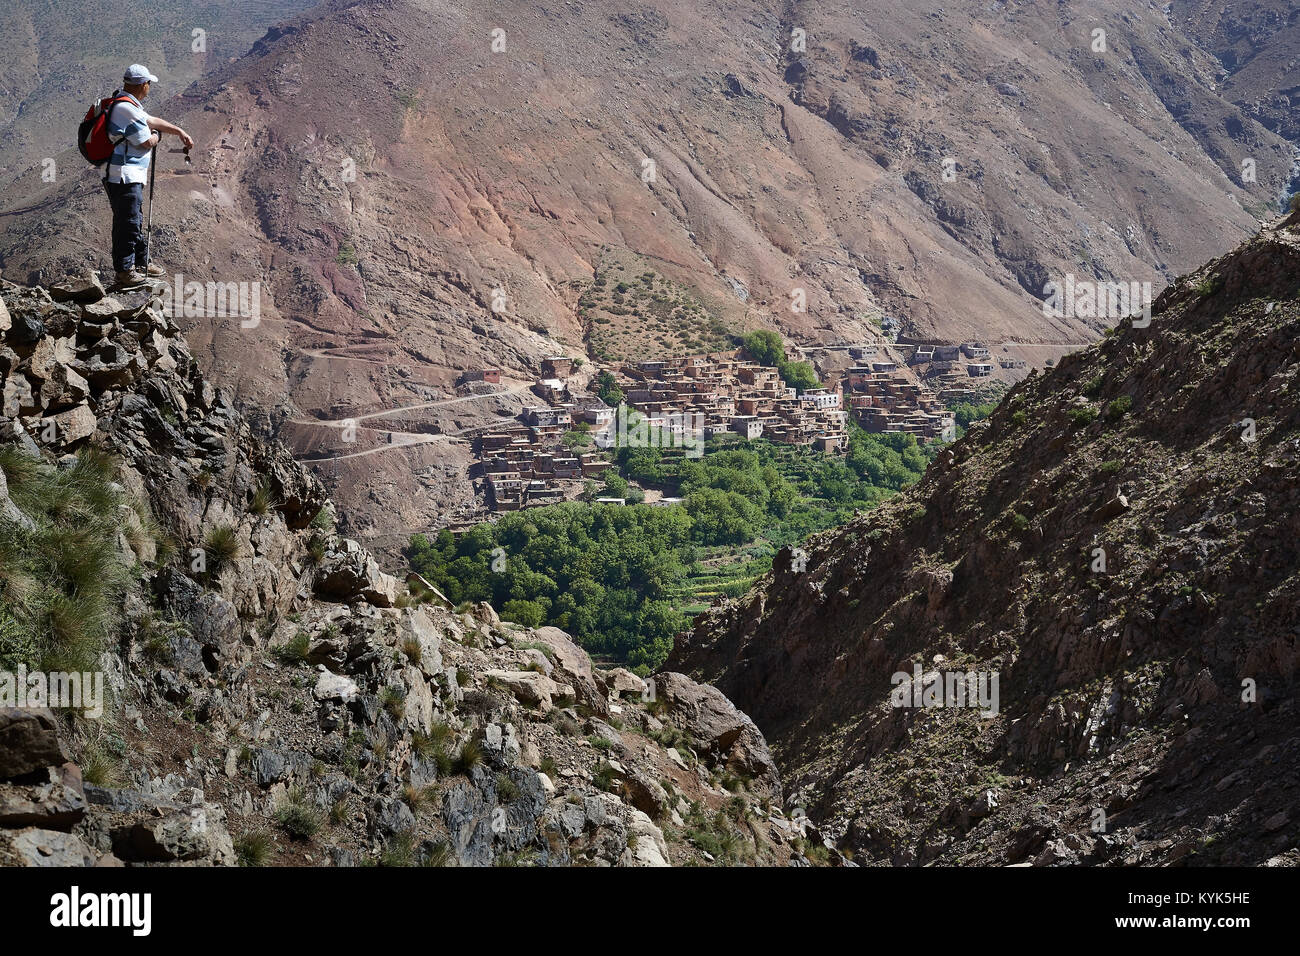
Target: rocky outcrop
x=279, y=698
x=725, y=733
x=41, y=795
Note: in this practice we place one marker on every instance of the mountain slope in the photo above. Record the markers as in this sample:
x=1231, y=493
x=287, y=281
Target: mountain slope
x=1118, y=543
x=382, y=171
x=62, y=54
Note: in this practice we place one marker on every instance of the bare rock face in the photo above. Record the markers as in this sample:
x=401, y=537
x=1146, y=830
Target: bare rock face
x=573, y=667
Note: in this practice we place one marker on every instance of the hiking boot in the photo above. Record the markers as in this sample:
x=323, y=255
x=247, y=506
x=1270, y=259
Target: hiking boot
x=155, y=270
x=129, y=277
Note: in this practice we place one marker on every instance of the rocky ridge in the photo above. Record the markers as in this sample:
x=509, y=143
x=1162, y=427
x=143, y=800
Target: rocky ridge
x=276, y=697
x=1117, y=544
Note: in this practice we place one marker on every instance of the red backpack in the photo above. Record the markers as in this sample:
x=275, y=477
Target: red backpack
x=92, y=135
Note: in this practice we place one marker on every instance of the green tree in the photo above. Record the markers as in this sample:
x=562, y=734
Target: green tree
x=799, y=375
x=764, y=346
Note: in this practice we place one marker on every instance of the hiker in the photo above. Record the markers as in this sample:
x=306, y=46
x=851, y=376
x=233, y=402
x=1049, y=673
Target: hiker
x=135, y=134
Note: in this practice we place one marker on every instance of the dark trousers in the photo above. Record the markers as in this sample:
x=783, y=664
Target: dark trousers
x=129, y=246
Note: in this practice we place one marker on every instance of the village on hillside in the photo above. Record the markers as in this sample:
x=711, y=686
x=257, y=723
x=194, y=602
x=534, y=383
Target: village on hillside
x=555, y=446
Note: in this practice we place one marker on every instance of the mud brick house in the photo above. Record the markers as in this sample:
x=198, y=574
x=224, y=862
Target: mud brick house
x=557, y=366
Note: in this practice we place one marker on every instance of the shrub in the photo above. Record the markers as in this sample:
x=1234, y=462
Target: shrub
x=470, y=756
x=1207, y=286
x=222, y=547
x=339, y=811
x=298, y=818
x=411, y=648
x=294, y=651
x=507, y=789
x=316, y=548
x=253, y=848
x=436, y=853
x=398, y=851
x=417, y=798
x=1119, y=407
x=100, y=768
x=1082, y=415
x=393, y=700
x=263, y=498
x=1019, y=417
x=62, y=580
x=323, y=520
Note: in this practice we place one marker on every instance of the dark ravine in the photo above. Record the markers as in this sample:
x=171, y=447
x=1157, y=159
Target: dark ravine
x=276, y=697
x=1147, y=712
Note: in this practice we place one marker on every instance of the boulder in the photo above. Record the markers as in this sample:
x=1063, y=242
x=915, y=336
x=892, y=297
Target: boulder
x=112, y=366
x=622, y=682
x=36, y=847
x=646, y=844
x=485, y=614
x=63, y=387
x=644, y=793
x=13, y=433
x=415, y=632
x=29, y=740
x=17, y=397
x=56, y=802
x=531, y=687
x=72, y=425
x=105, y=310
x=80, y=289
x=418, y=712
x=719, y=728
x=335, y=687
x=351, y=572
x=26, y=328
x=1111, y=509
x=573, y=667
x=195, y=833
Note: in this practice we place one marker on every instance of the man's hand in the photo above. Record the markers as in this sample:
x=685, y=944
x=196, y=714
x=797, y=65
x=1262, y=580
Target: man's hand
x=154, y=140
x=160, y=126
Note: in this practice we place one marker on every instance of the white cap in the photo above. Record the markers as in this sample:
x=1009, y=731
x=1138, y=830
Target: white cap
x=136, y=75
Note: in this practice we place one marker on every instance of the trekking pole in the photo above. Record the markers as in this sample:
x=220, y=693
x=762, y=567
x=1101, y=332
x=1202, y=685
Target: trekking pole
x=148, y=231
